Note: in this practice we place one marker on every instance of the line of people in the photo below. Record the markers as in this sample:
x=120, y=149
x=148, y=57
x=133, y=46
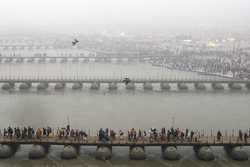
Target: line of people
x=153, y=134
x=163, y=134
x=19, y=133
x=105, y=135
x=45, y=132
x=241, y=136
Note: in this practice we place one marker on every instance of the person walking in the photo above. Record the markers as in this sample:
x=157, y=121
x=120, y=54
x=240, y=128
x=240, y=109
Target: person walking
x=219, y=135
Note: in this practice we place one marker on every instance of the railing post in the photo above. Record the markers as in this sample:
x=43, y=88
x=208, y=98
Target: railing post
x=88, y=132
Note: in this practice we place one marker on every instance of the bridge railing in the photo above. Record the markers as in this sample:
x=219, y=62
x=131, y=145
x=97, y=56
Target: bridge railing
x=77, y=78
x=93, y=140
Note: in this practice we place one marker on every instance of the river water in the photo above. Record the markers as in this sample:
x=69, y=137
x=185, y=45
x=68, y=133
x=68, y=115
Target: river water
x=120, y=109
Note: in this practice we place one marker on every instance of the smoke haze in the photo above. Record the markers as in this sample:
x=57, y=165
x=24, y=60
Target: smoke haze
x=71, y=16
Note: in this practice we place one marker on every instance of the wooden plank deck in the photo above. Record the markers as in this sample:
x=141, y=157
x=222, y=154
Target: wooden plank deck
x=93, y=141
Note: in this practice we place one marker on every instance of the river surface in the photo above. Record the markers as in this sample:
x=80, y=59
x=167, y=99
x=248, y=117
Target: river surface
x=120, y=109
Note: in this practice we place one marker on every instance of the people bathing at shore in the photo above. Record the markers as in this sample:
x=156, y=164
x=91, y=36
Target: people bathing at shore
x=107, y=135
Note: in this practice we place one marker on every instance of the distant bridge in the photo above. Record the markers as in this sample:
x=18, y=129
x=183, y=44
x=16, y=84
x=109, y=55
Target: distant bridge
x=79, y=79
x=43, y=82
x=62, y=59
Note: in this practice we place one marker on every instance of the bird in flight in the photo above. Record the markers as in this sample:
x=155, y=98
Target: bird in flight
x=74, y=42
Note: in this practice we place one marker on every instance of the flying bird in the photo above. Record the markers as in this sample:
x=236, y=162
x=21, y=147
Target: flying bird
x=74, y=42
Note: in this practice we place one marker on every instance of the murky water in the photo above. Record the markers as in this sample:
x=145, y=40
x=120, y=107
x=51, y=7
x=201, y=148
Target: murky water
x=92, y=70
x=120, y=109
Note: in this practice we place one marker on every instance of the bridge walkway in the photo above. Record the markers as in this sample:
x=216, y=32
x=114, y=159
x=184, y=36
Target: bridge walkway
x=146, y=141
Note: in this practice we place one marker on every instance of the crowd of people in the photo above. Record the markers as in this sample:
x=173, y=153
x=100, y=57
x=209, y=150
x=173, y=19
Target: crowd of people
x=153, y=134
x=45, y=132
x=211, y=66
x=223, y=65
x=106, y=135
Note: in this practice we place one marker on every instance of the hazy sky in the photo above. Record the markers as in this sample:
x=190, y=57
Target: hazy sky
x=79, y=15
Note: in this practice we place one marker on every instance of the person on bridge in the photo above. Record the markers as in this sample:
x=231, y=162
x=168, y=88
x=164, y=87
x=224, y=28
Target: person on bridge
x=107, y=132
x=49, y=131
x=140, y=134
x=103, y=136
x=153, y=134
x=72, y=133
x=163, y=134
x=219, y=135
x=192, y=135
x=24, y=133
x=245, y=137
x=77, y=136
x=182, y=135
x=186, y=133
x=83, y=135
x=112, y=134
x=144, y=133
x=134, y=134
x=39, y=133
x=31, y=132
x=4, y=132
x=67, y=130
x=168, y=135
x=126, y=80
x=10, y=132
x=121, y=135
x=17, y=132
x=240, y=135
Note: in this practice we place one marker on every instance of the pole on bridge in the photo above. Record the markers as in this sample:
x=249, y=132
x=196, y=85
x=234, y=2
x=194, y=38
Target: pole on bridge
x=173, y=121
